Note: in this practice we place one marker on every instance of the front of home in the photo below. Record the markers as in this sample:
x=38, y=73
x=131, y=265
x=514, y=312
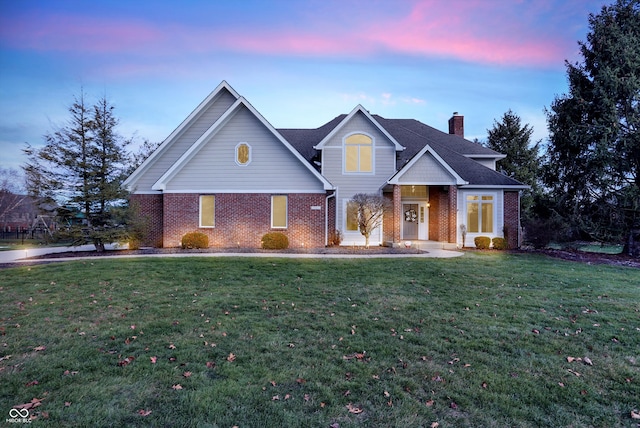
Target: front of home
x=226, y=172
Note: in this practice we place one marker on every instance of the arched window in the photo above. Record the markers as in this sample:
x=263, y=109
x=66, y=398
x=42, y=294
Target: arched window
x=358, y=153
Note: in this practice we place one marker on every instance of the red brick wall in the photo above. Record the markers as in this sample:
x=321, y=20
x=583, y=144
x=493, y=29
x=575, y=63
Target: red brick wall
x=388, y=222
x=242, y=219
x=512, y=218
x=442, y=213
x=452, y=214
x=148, y=211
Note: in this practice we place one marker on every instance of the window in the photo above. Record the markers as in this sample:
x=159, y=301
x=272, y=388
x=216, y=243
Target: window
x=279, y=211
x=207, y=211
x=358, y=153
x=243, y=154
x=480, y=214
x=351, y=219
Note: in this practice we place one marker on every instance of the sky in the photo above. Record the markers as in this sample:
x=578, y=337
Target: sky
x=300, y=63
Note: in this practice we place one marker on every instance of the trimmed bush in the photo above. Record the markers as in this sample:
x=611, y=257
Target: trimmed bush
x=482, y=242
x=275, y=241
x=499, y=243
x=195, y=240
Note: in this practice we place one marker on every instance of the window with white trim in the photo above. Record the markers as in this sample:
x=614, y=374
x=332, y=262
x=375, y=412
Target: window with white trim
x=243, y=154
x=279, y=211
x=358, y=153
x=351, y=217
x=480, y=209
x=207, y=211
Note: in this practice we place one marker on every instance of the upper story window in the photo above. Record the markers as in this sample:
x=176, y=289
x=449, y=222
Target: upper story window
x=243, y=154
x=358, y=153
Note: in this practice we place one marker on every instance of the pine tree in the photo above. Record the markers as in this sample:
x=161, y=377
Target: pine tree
x=593, y=156
x=522, y=161
x=81, y=166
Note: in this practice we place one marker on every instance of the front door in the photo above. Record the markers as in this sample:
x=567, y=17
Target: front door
x=411, y=217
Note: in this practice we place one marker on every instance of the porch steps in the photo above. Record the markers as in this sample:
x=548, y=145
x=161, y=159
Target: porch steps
x=424, y=245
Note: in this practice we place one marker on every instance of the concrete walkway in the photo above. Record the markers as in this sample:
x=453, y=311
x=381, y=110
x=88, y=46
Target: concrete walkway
x=20, y=256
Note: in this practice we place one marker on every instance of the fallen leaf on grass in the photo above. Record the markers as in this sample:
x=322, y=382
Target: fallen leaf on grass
x=231, y=358
x=153, y=359
x=275, y=398
x=143, y=412
x=126, y=361
x=429, y=403
x=39, y=348
x=187, y=374
x=35, y=402
x=635, y=414
x=574, y=372
x=356, y=410
x=210, y=364
x=435, y=425
x=172, y=346
x=587, y=361
x=177, y=387
x=33, y=382
x=67, y=403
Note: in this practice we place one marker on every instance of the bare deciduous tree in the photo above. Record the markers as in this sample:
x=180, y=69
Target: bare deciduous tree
x=369, y=210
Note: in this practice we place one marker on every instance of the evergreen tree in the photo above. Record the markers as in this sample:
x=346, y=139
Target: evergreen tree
x=81, y=166
x=593, y=156
x=522, y=163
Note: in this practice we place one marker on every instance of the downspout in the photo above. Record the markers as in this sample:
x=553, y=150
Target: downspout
x=326, y=218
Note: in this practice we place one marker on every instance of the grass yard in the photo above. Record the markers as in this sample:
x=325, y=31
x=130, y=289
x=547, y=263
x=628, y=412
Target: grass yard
x=484, y=340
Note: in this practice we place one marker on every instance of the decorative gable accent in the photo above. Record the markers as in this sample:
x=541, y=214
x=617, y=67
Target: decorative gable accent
x=427, y=167
x=356, y=110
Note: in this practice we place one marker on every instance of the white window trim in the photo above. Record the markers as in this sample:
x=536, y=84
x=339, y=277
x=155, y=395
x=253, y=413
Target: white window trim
x=235, y=152
x=494, y=195
x=200, y=212
x=286, y=213
x=344, y=155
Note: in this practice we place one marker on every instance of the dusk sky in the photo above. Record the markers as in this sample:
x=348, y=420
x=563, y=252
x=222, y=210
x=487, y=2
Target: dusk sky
x=299, y=63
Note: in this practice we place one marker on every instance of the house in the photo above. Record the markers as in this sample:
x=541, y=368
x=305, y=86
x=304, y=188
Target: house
x=226, y=172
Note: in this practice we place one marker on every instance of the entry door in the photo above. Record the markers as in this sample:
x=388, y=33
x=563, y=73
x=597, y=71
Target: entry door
x=411, y=217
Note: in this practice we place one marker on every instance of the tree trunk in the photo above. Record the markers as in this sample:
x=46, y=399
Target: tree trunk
x=632, y=247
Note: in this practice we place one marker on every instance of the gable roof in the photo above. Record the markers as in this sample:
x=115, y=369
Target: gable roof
x=223, y=87
x=356, y=110
x=416, y=138
x=217, y=126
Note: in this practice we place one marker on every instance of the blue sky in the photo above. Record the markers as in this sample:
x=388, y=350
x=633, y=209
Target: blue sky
x=300, y=63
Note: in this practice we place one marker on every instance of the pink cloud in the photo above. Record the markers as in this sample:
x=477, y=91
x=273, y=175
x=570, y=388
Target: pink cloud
x=498, y=32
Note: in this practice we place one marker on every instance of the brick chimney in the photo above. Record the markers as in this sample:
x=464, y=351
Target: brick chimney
x=456, y=125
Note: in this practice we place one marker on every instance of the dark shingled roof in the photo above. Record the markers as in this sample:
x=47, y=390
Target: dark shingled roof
x=414, y=136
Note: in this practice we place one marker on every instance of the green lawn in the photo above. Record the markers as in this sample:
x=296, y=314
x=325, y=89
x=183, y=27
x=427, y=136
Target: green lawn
x=482, y=340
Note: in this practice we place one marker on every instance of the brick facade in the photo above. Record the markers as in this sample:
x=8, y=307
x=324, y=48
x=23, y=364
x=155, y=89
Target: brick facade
x=242, y=219
x=442, y=213
x=512, y=219
x=148, y=209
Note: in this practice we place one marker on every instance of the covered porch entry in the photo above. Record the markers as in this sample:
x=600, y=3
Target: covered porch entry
x=423, y=213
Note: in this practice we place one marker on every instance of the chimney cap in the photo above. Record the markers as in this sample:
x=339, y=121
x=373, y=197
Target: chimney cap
x=455, y=113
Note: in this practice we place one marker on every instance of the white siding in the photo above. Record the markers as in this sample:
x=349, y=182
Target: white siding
x=183, y=141
x=348, y=184
x=427, y=170
x=273, y=167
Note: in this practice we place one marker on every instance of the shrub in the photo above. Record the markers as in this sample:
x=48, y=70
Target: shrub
x=195, y=240
x=275, y=241
x=482, y=242
x=499, y=243
x=335, y=238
